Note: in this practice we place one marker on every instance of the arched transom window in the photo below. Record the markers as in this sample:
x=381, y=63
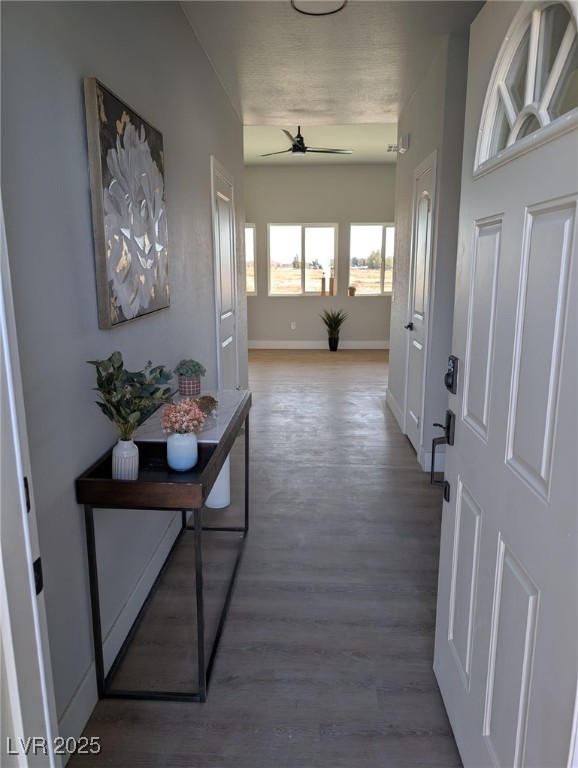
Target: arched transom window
x=535, y=80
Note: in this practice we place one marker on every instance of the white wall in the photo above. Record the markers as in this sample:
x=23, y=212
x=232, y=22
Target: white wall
x=434, y=120
x=148, y=55
x=317, y=194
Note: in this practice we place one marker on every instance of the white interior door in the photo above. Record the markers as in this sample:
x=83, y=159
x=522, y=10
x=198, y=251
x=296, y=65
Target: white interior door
x=424, y=189
x=506, y=654
x=27, y=709
x=225, y=277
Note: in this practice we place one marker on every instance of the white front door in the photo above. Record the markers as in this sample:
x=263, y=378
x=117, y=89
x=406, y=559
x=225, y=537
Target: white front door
x=27, y=710
x=418, y=304
x=225, y=277
x=506, y=654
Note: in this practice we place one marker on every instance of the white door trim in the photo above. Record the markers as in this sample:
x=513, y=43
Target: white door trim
x=23, y=633
x=429, y=162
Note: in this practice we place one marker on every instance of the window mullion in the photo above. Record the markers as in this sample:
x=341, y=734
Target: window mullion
x=532, y=69
x=382, y=260
x=558, y=66
x=508, y=103
x=303, y=258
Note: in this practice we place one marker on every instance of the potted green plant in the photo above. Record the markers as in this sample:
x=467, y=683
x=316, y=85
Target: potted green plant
x=189, y=373
x=351, y=290
x=128, y=398
x=333, y=319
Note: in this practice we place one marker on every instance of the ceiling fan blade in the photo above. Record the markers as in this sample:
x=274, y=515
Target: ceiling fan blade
x=282, y=152
x=291, y=138
x=331, y=151
x=299, y=147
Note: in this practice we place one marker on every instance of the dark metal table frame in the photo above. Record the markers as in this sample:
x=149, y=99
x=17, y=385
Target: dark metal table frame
x=185, y=492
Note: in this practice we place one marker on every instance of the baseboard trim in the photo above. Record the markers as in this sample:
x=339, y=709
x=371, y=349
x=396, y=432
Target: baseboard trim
x=254, y=344
x=80, y=707
x=424, y=458
x=113, y=641
x=394, y=408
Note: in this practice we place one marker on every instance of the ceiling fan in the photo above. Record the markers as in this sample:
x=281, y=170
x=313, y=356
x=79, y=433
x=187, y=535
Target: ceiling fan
x=298, y=146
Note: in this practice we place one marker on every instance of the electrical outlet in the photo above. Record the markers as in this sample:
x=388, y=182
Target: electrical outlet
x=293, y=325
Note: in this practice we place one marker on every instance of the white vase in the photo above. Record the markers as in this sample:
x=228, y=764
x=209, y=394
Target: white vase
x=220, y=495
x=182, y=451
x=125, y=460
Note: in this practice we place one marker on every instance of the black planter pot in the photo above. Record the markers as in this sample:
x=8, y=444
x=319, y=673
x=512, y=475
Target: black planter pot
x=333, y=343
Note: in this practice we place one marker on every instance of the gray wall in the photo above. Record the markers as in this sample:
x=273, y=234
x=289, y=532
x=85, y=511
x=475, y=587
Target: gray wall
x=148, y=55
x=342, y=196
x=434, y=120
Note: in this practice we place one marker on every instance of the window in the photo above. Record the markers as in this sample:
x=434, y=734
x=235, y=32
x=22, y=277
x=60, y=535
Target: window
x=250, y=280
x=371, y=258
x=535, y=81
x=302, y=259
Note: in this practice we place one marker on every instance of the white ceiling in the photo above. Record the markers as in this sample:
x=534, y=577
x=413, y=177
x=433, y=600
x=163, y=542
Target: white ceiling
x=357, y=67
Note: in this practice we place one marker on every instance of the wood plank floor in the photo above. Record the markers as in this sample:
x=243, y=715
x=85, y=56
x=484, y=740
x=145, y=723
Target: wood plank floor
x=326, y=659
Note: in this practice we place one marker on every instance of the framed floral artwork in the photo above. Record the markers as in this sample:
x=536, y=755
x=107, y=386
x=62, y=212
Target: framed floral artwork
x=129, y=216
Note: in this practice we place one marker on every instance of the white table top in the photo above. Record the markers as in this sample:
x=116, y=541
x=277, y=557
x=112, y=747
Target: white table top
x=214, y=426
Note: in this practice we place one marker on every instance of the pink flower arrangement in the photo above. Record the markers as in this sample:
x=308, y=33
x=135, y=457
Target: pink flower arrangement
x=182, y=417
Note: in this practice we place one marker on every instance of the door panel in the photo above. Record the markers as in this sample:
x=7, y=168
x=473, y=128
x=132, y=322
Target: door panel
x=226, y=272
x=506, y=652
x=517, y=470
x=225, y=278
x=421, y=255
x=510, y=660
x=481, y=324
x=464, y=580
x=424, y=186
x=415, y=391
x=540, y=323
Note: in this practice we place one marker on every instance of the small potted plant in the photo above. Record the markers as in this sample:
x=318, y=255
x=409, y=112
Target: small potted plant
x=128, y=398
x=351, y=290
x=181, y=421
x=333, y=319
x=189, y=373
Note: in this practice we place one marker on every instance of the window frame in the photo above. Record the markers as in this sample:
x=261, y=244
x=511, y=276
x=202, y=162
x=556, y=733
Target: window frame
x=304, y=226
x=254, y=228
x=385, y=226
x=497, y=99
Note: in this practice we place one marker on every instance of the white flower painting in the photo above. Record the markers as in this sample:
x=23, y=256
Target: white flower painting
x=129, y=213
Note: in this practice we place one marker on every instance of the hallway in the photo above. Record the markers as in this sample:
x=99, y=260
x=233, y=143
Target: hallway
x=326, y=657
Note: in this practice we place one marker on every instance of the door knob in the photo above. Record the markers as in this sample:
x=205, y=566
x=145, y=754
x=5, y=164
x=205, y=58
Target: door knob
x=409, y=326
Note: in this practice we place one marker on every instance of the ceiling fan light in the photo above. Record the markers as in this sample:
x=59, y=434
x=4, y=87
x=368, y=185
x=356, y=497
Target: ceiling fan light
x=318, y=7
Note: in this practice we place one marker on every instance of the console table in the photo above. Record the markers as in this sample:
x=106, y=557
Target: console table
x=160, y=488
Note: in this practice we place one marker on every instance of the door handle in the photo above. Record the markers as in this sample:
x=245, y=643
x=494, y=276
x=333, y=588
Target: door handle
x=409, y=327
x=449, y=427
x=447, y=437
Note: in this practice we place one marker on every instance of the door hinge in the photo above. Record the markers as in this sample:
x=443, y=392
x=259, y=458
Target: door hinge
x=27, y=494
x=38, y=578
